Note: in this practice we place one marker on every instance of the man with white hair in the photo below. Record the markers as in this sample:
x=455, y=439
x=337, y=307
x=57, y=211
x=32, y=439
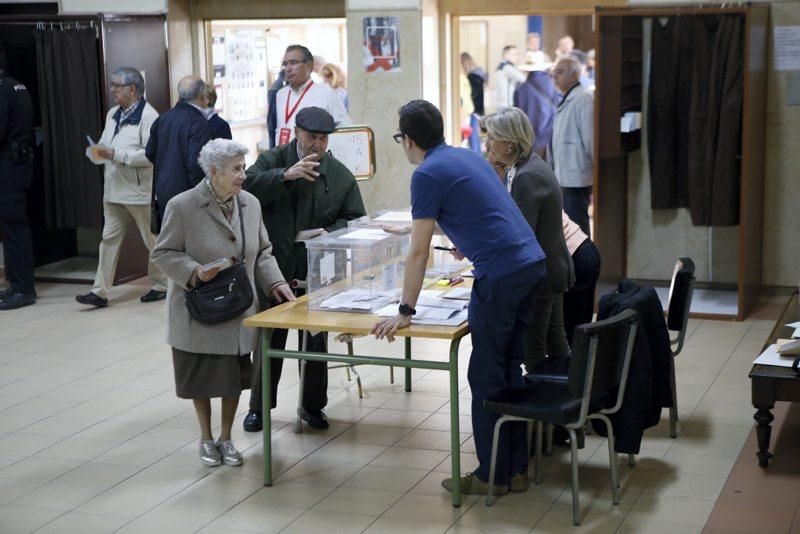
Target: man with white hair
x=573, y=138
x=128, y=180
x=176, y=139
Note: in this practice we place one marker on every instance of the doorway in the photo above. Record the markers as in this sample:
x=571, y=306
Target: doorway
x=245, y=59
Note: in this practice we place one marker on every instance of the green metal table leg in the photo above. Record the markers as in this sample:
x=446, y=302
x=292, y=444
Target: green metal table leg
x=455, y=434
x=408, y=369
x=266, y=403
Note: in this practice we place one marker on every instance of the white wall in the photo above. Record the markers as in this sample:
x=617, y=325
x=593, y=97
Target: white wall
x=73, y=7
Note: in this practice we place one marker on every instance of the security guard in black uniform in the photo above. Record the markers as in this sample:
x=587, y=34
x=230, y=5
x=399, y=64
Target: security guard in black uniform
x=16, y=173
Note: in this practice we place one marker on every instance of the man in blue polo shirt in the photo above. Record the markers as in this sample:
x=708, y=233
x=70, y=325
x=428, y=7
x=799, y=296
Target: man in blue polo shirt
x=458, y=189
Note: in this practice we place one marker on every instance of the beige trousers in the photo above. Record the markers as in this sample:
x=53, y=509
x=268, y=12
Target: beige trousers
x=116, y=224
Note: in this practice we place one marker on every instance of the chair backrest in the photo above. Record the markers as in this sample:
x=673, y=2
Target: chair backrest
x=601, y=354
x=681, y=291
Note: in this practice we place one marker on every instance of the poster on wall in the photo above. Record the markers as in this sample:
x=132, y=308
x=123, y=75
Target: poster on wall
x=381, y=44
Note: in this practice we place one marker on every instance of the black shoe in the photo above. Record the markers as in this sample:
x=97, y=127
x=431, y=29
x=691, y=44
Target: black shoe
x=7, y=292
x=17, y=300
x=252, y=422
x=153, y=296
x=90, y=299
x=315, y=418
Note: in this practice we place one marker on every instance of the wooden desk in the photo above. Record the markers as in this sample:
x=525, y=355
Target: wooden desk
x=771, y=383
x=295, y=315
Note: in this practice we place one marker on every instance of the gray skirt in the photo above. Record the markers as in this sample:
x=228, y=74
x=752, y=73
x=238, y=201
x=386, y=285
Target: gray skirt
x=207, y=376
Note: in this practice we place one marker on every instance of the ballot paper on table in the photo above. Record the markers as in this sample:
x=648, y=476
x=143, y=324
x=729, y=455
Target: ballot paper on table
x=794, y=325
x=771, y=356
x=433, y=310
x=395, y=216
x=360, y=300
x=370, y=234
x=458, y=293
x=796, y=333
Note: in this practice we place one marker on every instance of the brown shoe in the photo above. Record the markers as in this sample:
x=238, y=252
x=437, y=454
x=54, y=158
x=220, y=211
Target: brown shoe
x=519, y=483
x=472, y=485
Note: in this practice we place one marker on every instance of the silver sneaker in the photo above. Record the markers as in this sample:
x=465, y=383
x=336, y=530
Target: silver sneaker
x=209, y=455
x=229, y=453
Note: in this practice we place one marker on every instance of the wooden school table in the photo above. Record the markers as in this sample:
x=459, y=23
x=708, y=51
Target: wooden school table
x=296, y=316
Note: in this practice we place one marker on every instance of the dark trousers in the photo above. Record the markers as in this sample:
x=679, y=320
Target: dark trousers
x=315, y=379
x=17, y=244
x=576, y=205
x=579, y=300
x=500, y=313
x=546, y=335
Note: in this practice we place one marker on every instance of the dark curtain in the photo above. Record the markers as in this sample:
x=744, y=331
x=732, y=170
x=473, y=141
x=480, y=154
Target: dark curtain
x=668, y=112
x=695, y=116
x=69, y=90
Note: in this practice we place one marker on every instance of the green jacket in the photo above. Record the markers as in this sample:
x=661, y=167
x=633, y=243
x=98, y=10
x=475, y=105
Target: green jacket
x=290, y=207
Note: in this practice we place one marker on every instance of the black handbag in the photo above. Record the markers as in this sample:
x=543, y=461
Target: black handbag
x=227, y=295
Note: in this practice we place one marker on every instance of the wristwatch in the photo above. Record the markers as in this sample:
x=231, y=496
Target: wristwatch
x=406, y=310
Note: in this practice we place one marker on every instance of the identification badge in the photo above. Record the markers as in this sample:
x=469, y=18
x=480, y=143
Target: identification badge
x=283, y=136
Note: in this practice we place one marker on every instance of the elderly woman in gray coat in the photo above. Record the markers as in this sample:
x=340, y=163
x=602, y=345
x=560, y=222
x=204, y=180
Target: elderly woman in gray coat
x=200, y=226
x=535, y=189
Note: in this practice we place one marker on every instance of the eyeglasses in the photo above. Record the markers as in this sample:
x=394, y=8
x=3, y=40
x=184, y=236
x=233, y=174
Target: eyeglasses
x=292, y=63
x=398, y=137
x=115, y=86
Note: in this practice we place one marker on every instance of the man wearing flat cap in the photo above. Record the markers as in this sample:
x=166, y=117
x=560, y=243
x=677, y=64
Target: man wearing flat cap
x=301, y=187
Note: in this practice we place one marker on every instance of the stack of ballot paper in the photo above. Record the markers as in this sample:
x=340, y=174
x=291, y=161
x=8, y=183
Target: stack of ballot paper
x=360, y=300
x=432, y=309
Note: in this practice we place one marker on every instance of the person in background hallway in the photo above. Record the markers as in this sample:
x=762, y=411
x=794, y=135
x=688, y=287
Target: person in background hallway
x=176, y=138
x=572, y=145
x=534, y=42
x=590, y=64
x=579, y=300
x=477, y=79
x=335, y=78
x=507, y=78
x=302, y=92
x=301, y=187
x=458, y=189
x=127, y=184
x=202, y=225
x=16, y=173
x=272, y=114
x=538, y=98
x=534, y=188
x=220, y=129
x=316, y=70
x=565, y=46
x=581, y=57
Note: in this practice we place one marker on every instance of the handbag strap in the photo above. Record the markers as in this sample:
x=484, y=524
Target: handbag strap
x=241, y=226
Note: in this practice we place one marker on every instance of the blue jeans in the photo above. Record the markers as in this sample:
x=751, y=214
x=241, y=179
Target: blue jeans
x=500, y=312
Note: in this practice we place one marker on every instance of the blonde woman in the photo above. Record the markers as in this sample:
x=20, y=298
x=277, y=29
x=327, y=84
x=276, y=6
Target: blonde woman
x=334, y=76
x=535, y=189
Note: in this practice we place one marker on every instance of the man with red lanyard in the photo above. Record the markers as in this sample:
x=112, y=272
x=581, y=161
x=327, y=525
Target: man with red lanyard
x=301, y=92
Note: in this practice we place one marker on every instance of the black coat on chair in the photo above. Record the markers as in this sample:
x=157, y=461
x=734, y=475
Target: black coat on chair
x=648, y=387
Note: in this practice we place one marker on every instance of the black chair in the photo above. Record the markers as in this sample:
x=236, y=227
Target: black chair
x=594, y=389
x=681, y=290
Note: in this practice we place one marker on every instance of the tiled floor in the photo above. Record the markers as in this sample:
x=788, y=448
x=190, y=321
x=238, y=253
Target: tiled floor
x=93, y=439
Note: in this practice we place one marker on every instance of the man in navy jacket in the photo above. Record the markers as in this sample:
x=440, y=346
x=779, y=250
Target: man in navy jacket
x=176, y=138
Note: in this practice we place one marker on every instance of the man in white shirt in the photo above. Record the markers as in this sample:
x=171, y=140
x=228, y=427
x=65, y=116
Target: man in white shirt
x=301, y=92
x=572, y=145
x=506, y=79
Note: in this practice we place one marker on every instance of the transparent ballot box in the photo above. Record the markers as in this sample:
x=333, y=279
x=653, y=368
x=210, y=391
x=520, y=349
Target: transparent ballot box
x=355, y=270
